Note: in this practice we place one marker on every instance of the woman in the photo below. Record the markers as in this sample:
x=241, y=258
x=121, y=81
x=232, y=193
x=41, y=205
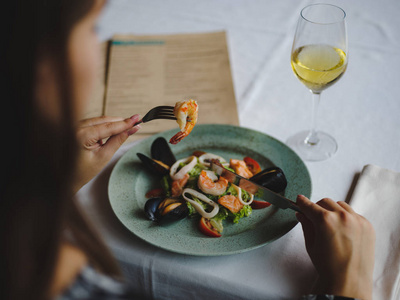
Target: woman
x=48, y=62
x=49, y=250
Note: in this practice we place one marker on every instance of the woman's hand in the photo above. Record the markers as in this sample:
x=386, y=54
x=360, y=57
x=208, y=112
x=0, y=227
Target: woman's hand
x=95, y=154
x=340, y=244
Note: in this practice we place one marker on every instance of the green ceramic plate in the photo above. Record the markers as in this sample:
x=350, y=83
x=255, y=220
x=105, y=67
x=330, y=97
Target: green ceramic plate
x=130, y=180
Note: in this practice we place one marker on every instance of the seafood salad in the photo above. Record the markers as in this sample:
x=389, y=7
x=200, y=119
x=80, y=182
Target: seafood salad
x=189, y=188
x=186, y=113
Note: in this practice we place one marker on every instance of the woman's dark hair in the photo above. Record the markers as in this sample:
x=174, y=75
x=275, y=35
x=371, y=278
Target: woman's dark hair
x=39, y=154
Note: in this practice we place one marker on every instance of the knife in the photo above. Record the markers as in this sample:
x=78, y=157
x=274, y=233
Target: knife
x=253, y=188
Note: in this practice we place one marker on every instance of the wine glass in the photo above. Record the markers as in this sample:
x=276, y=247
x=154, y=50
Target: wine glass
x=319, y=59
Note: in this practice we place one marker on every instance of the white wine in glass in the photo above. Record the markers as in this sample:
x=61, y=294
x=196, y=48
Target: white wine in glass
x=319, y=59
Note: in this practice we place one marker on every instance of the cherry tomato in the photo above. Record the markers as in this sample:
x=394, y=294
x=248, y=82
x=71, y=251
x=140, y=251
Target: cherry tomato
x=252, y=165
x=256, y=204
x=207, y=229
x=155, y=193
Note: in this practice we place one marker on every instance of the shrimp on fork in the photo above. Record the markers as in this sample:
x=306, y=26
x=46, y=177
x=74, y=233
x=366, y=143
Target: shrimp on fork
x=186, y=116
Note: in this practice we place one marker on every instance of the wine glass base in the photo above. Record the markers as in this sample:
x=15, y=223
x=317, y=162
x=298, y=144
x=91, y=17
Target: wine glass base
x=324, y=149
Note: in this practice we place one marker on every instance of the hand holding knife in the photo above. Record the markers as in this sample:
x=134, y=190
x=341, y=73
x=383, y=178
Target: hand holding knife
x=253, y=188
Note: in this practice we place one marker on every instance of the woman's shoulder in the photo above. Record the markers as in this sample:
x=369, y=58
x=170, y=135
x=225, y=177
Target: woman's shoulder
x=75, y=278
x=69, y=264
x=90, y=284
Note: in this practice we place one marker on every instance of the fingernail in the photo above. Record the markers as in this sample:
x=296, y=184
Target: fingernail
x=131, y=131
x=135, y=117
x=134, y=129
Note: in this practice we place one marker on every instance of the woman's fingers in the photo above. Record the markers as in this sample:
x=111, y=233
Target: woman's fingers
x=91, y=135
x=314, y=211
x=346, y=207
x=134, y=129
x=328, y=204
x=107, y=129
x=311, y=210
x=100, y=138
x=115, y=141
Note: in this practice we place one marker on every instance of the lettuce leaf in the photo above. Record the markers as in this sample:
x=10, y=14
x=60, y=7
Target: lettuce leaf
x=166, y=185
x=195, y=172
x=245, y=196
x=230, y=169
x=191, y=184
x=244, y=212
x=222, y=214
x=230, y=191
x=192, y=210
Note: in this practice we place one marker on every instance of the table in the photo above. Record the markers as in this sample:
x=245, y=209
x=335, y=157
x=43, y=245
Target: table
x=361, y=111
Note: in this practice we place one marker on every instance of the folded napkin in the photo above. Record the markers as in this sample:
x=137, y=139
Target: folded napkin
x=377, y=197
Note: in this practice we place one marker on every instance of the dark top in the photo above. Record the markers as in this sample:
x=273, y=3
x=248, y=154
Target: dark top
x=325, y=297
x=91, y=284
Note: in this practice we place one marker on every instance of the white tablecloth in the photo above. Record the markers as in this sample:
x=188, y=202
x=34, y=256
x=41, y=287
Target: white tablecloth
x=361, y=111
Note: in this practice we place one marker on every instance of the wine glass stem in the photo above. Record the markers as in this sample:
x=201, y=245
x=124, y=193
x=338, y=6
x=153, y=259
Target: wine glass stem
x=312, y=138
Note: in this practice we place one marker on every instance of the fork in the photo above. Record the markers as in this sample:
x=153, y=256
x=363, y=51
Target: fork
x=158, y=112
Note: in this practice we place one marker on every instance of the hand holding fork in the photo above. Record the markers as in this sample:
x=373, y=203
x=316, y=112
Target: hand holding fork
x=101, y=137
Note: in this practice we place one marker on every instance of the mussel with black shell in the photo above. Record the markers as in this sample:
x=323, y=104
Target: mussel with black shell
x=271, y=178
x=161, y=159
x=165, y=211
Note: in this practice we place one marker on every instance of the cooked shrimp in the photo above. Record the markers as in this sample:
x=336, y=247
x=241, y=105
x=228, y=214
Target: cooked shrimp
x=186, y=116
x=177, y=186
x=240, y=168
x=210, y=184
x=231, y=202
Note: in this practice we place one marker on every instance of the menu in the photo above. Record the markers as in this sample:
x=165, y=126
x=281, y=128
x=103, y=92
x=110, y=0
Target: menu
x=95, y=106
x=141, y=72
